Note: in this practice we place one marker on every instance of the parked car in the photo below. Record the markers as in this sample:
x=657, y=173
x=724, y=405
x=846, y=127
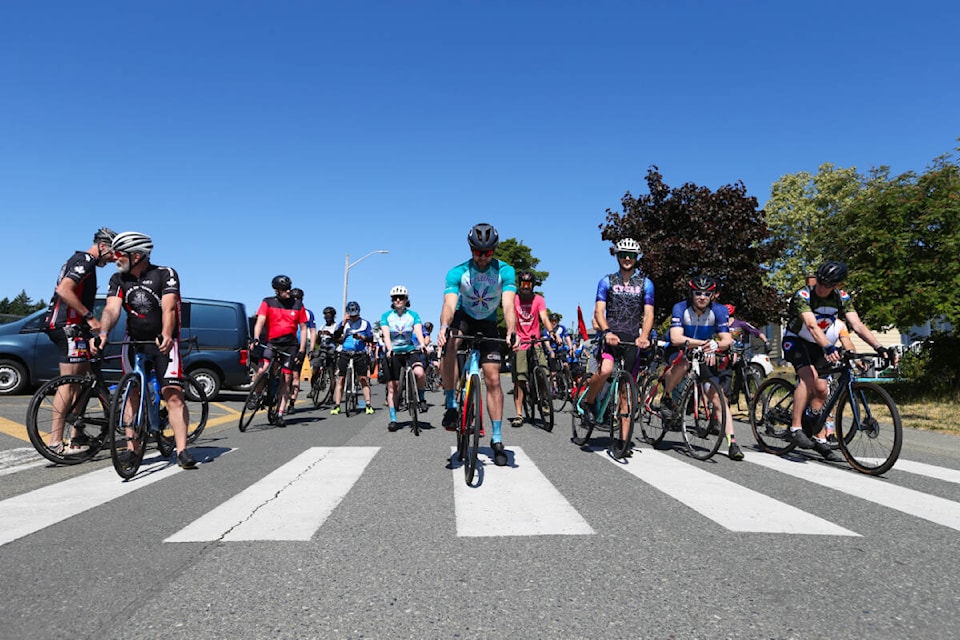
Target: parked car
x=218, y=360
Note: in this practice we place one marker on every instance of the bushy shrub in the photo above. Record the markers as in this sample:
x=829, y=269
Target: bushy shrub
x=934, y=370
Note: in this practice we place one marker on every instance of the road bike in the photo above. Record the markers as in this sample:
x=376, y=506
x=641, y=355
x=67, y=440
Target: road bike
x=537, y=397
x=352, y=389
x=432, y=373
x=135, y=415
x=700, y=420
x=561, y=377
x=744, y=382
x=615, y=410
x=265, y=391
x=408, y=397
x=323, y=376
x=869, y=429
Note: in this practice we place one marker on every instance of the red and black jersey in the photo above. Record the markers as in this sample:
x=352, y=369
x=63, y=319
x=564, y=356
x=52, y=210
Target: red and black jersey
x=82, y=269
x=142, y=299
x=283, y=317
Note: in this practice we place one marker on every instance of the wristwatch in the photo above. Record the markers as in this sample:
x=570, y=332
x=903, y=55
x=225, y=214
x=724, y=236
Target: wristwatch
x=88, y=315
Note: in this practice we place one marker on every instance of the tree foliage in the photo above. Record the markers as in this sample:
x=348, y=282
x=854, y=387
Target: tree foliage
x=519, y=256
x=22, y=305
x=689, y=230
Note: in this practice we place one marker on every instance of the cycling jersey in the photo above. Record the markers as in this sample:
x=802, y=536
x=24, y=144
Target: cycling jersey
x=284, y=317
x=480, y=291
x=142, y=299
x=401, y=327
x=703, y=326
x=352, y=328
x=826, y=310
x=81, y=267
x=528, y=318
x=625, y=302
x=738, y=328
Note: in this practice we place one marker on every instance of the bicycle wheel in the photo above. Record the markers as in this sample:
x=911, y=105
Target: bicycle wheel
x=85, y=418
x=473, y=419
x=327, y=385
x=564, y=383
x=349, y=392
x=413, y=403
x=582, y=430
x=254, y=400
x=196, y=410
x=542, y=397
x=127, y=429
x=704, y=420
x=771, y=413
x=626, y=398
x=869, y=428
x=651, y=424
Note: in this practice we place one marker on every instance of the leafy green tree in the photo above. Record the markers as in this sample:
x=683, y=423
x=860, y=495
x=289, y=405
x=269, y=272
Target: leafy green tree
x=5, y=305
x=519, y=256
x=901, y=239
x=802, y=215
x=22, y=304
x=689, y=230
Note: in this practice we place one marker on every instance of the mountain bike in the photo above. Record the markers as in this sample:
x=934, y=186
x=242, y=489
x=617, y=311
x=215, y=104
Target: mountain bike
x=868, y=424
x=138, y=411
x=615, y=410
x=537, y=397
x=700, y=421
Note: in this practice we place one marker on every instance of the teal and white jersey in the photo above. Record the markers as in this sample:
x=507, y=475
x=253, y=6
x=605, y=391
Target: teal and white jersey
x=401, y=329
x=480, y=291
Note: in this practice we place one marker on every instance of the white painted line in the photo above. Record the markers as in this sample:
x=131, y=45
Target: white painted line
x=937, y=510
x=19, y=459
x=929, y=470
x=516, y=500
x=289, y=504
x=41, y=508
x=730, y=505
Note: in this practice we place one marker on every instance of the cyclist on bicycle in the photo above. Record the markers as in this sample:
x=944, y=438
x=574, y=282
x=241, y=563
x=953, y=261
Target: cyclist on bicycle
x=807, y=347
x=623, y=315
x=473, y=292
x=69, y=323
x=355, y=333
x=150, y=295
x=297, y=295
x=698, y=321
x=284, y=318
x=403, y=344
x=531, y=311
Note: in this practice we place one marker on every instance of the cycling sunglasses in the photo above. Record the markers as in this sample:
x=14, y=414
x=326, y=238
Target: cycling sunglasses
x=483, y=254
x=702, y=294
x=627, y=255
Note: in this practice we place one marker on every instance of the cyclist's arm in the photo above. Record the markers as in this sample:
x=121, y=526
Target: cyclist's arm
x=258, y=327
x=169, y=304
x=446, y=316
x=387, y=342
x=109, y=317
x=856, y=324
x=67, y=290
x=509, y=312
x=810, y=322
x=725, y=341
x=644, y=340
x=421, y=340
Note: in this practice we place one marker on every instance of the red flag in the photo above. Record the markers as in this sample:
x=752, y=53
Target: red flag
x=581, y=326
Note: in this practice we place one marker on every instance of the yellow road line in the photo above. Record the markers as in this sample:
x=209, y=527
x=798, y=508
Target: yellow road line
x=14, y=429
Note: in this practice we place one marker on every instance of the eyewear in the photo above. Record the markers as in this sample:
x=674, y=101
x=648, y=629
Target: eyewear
x=395, y=298
x=829, y=285
x=119, y=254
x=702, y=294
x=483, y=254
x=627, y=255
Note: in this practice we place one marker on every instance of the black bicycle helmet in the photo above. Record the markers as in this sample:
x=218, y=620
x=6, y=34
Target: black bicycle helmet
x=483, y=237
x=281, y=283
x=353, y=308
x=832, y=272
x=428, y=326
x=526, y=276
x=296, y=294
x=104, y=234
x=329, y=311
x=702, y=283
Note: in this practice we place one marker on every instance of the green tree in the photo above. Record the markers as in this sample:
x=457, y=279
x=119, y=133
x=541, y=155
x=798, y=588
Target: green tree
x=802, y=215
x=519, y=256
x=689, y=230
x=901, y=239
x=22, y=304
x=5, y=305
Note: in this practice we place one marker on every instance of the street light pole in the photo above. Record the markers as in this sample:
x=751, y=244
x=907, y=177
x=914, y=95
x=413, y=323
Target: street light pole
x=347, y=265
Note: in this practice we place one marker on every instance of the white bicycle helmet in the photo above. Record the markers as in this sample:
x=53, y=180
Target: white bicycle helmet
x=133, y=242
x=399, y=290
x=631, y=245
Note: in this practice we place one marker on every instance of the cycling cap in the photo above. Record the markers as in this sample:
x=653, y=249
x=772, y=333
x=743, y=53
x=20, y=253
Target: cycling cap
x=730, y=309
x=631, y=245
x=483, y=237
x=399, y=290
x=104, y=234
x=329, y=311
x=353, y=308
x=832, y=272
x=281, y=283
x=297, y=294
x=132, y=242
x=702, y=283
x=526, y=276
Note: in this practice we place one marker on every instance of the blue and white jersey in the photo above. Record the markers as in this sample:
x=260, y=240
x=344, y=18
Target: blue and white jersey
x=480, y=291
x=401, y=329
x=358, y=327
x=712, y=321
x=311, y=322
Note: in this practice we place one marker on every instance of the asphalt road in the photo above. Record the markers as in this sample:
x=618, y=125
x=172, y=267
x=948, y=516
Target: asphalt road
x=561, y=543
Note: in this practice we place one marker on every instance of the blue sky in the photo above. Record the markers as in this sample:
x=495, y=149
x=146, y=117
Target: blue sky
x=257, y=138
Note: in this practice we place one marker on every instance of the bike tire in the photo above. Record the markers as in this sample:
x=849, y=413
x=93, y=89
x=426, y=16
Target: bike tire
x=125, y=462
x=702, y=432
x=582, y=430
x=254, y=400
x=869, y=428
x=652, y=429
x=198, y=408
x=473, y=419
x=542, y=397
x=350, y=392
x=564, y=385
x=626, y=400
x=413, y=404
x=91, y=407
x=771, y=413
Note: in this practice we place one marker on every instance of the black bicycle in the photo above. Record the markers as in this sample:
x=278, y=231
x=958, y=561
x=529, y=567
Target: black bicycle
x=408, y=397
x=745, y=381
x=323, y=371
x=537, y=397
x=265, y=391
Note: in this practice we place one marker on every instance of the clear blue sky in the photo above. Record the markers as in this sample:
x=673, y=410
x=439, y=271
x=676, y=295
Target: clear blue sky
x=257, y=138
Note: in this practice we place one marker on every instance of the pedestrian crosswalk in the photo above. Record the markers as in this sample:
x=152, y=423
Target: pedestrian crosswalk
x=292, y=502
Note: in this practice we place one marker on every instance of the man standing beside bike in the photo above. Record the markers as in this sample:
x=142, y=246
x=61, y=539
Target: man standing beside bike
x=623, y=315
x=284, y=318
x=403, y=344
x=355, y=333
x=531, y=313
x=700, y=322
x=473, y=292
x=807, y=347
x=150, y=295
x=70, y=323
